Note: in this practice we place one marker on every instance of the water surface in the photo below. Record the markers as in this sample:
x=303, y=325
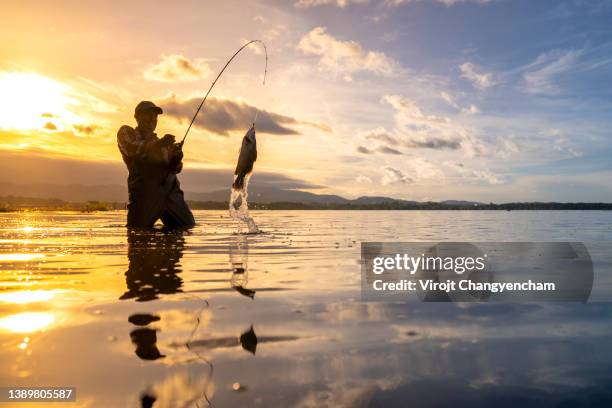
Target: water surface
x=211, y=317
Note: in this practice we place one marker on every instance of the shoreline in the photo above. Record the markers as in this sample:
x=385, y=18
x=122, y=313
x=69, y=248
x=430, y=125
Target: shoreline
x=85, y=210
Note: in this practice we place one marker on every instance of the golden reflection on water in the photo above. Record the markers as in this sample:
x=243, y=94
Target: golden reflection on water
x=28, y=296
x=20, y=257
x=129, y=318
x=24, y=344
x=27, y=322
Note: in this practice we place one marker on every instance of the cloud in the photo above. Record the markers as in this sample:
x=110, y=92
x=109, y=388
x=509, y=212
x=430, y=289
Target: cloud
x=414, y=140
x=434, y=143
x=36, y=169
x=337, y=3
x=223, y=116
x=446, y=2
x=388, y=150
x=345, y=57
x=415, y=129
x=539, y=74
x=473, y=175
x=471, y=110
x=561, y=142
x=345, y=3
x=86, y=129
x=176, y=67
x=379, y=149
x=50, y=126
x=381, y=135
x=391, y=176
x=481, y=80
x=487, y=176
x=363, y=179
x=449, y=99
x=409, y=113
x=384, y=140
x=274, y=32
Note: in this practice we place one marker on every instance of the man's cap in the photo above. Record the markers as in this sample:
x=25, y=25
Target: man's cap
x=144, y=106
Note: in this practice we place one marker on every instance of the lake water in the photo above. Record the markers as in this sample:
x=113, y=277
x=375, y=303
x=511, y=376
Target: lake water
x=211, y=317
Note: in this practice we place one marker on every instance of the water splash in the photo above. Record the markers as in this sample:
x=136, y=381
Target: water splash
x=239, y=206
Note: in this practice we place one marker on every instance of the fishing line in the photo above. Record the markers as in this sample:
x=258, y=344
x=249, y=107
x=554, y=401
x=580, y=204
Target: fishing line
x=219, y=75
x=198, y=355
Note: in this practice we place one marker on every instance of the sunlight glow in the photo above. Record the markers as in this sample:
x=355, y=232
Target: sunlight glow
x=27, y=296
x=31, y=101
x=27, y=322
x=19, y=257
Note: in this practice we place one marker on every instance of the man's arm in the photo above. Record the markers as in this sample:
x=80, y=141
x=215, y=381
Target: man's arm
x=132, y=146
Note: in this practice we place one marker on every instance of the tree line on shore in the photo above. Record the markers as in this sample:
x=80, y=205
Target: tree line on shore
x=12, y=203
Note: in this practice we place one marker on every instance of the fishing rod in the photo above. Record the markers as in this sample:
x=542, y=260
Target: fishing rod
x=219, y=75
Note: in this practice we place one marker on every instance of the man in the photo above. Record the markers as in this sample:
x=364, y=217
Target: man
x=153, y=163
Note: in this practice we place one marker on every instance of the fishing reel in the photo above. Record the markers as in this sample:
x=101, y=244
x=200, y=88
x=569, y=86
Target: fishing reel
x=175, y=155
x=176, y=147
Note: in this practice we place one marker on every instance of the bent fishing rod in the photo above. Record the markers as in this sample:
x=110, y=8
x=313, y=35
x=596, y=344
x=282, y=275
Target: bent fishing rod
x=219, y=75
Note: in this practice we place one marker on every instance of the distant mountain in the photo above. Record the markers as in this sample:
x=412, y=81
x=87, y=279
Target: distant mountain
x=109, y=197
x=269, y=195
x=460, y=203
x=367, y=200
x=263, y=195
x=67, y=192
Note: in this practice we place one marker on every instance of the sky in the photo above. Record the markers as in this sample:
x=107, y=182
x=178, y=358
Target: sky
x=485, y=100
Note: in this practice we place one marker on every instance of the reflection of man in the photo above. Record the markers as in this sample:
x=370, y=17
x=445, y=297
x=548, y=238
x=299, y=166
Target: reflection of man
x=153, y=163
x=154, y=263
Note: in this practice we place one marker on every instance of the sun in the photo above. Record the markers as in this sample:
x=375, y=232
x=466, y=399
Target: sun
x=32, y=101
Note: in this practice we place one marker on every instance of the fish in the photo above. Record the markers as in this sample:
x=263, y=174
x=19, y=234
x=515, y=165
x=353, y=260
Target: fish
x=245, y=291
x=246, y=158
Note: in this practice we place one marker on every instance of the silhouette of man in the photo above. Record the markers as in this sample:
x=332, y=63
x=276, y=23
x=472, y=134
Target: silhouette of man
x=153, y=163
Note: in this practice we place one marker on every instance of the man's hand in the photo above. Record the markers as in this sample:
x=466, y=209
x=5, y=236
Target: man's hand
x=176, y=158
x=176, y=154
x=167, y=140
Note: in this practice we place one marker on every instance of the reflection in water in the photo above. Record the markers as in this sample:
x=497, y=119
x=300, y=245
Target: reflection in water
x=153, y=264
x=248, y=340
x=28, y=296
x=142, y=319
x=19, y=257
x=147, y=400
x=145, y=340
x=316, y=343
x=239, y=260
x=154, y=258
x=27, y=322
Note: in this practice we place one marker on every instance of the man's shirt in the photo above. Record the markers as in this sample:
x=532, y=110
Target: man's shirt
x=133, y=145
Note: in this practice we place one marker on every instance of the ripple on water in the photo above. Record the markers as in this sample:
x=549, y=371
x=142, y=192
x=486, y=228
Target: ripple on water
x=274, y=319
